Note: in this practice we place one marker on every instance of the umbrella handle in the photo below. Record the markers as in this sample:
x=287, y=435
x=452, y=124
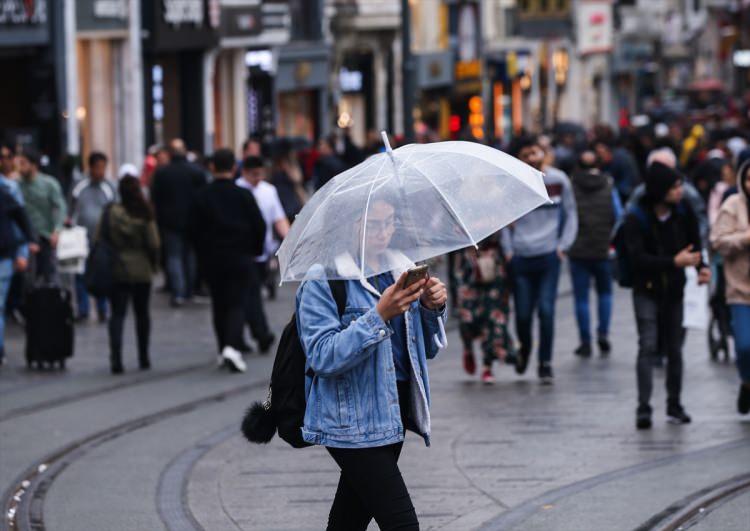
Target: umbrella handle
x=441, y=340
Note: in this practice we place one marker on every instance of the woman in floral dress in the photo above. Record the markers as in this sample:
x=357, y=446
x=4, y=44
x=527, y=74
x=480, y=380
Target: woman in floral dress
x=483, y=304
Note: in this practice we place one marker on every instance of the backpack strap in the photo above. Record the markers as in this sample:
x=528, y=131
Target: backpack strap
x=338, y=289
x=641, y=215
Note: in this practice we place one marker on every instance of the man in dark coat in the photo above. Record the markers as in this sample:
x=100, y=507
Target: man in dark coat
x=662, y=240
x=228, y=230
x=173, y=190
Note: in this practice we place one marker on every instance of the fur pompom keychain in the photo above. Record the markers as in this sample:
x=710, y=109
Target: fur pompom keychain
x=258, y=424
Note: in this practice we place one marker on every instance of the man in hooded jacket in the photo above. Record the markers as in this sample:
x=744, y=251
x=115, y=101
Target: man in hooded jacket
x=662, y=239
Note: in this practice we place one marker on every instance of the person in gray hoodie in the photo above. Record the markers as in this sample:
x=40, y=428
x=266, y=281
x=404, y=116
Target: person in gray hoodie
x=89, y=198
x=534, y=246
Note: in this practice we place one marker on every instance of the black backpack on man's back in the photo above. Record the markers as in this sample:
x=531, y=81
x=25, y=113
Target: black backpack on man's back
x=284, y=408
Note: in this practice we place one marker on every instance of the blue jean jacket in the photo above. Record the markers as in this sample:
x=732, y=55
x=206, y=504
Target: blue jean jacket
x=352, y=399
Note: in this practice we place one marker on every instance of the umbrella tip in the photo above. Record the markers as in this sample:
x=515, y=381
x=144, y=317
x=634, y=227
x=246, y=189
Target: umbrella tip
x=387, y=143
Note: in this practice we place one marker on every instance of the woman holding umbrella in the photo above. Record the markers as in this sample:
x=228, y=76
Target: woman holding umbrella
x=366, y=365
x=370, y=381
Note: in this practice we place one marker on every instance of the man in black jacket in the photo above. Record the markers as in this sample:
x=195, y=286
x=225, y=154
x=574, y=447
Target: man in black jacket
x=662, y=239
x=172, y=191
x=228, y=230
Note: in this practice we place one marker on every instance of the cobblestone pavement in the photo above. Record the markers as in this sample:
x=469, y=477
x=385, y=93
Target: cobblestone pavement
x=161, y=450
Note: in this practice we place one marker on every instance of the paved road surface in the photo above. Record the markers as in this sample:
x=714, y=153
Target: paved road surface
x=160, y=450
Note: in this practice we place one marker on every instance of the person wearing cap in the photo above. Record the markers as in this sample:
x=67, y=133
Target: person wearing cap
x=88, y=199
x=662, y=239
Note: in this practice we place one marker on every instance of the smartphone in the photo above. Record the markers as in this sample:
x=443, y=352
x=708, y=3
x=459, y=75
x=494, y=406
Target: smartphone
x=416, y=274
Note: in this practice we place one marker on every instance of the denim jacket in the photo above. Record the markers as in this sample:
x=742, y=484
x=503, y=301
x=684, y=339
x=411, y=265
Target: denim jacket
x=352, y=399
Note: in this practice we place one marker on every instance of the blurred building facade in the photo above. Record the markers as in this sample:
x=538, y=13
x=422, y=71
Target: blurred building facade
x=120, y=75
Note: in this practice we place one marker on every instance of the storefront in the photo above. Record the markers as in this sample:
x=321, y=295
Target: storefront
x=467, y=108
x=301, y=91
x=102, y=32
x=176, y=84
x=434, y=81
x=250, y=36
x=32, y=88
x=356, y=108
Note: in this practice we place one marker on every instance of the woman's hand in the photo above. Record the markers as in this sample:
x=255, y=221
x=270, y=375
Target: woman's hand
x=395, y=300
x=435, y=294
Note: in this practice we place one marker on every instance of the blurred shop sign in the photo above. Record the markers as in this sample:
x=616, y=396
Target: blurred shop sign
x=594, y=24
x=98, y=15
x=468, y=70
x=241, y=21
x=434, y=69
x=179, y=12
x=23, y=12
x=110, y=9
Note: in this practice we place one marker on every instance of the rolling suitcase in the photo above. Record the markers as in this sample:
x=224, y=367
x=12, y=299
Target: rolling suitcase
x=49, y=326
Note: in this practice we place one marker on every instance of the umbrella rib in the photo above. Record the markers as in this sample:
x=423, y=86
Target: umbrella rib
x=364, y=222
x=356, y=186
x=322, y=204
x=451, y=210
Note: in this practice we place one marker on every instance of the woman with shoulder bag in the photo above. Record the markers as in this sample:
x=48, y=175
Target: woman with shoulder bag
x=133, y=235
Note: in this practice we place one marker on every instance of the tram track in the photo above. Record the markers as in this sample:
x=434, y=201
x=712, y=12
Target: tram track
x=691, y=509
x=23, y=502
x=90, y=393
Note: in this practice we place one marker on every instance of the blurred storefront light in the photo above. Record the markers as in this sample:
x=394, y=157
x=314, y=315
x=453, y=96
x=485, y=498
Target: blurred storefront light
x=262, y=59
x=561, y=64
x=741, y=58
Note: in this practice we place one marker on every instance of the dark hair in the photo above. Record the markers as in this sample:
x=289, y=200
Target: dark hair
x=521, y=143
x=255, y=137
x=133, y=200
x=252, y=162
x=32, y=155
x=97, y=156
x=223, y=160
x=607, y=143
x=330, y=141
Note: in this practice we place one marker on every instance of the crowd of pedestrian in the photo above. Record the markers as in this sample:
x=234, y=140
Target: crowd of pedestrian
x=664, y=198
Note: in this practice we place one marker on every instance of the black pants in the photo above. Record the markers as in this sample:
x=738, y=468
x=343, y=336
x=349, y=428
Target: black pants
x=371, y=486
x=659, y=325
x=254, y=314
x=121, y=294
x=228, y=293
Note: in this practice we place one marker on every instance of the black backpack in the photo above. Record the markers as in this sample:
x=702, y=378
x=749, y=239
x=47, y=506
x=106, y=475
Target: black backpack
x=284, y=408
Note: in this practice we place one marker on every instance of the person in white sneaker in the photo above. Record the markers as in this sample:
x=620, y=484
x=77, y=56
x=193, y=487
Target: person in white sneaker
x=228, y=231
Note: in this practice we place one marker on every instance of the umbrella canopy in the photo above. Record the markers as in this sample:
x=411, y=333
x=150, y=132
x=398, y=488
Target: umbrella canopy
x=405, y=206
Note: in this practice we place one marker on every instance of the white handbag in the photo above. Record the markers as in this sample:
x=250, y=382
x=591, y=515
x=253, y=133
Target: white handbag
x=695, y=302
x=73, y=243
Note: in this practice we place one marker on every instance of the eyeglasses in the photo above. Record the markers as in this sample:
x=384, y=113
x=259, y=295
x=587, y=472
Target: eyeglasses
x=379, y=225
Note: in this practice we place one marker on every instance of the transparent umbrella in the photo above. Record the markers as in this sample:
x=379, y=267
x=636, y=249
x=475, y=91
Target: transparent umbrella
x=405, y=206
